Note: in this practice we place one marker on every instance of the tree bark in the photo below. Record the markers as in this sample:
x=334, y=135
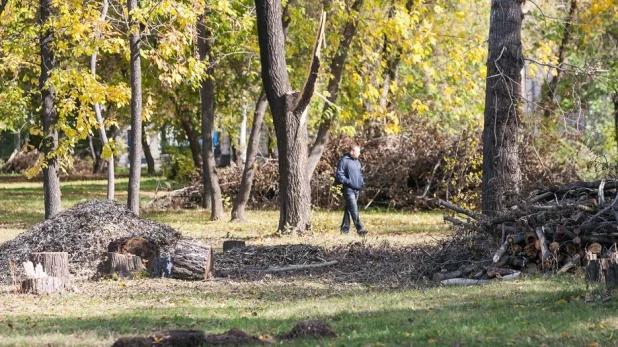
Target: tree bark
x=49, y=115
x=192, y=261
x=41, y=286
x=93, y=154
x=147, y=153
x=615, y=102
x=99, y=117
x=124, y=265
x=289, y=115
x=501, y=164
x=190, y=132
x=207, y=98
x=55, y=264
x=551, y=90
x=136, y=110
x=244, y=191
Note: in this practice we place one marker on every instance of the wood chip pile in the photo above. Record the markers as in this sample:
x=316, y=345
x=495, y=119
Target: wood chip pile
x=552, y=231
x=85, y=232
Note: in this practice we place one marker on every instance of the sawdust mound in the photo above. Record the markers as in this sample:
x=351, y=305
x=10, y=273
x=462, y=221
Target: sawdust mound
x=310, y=328
x=85, y=232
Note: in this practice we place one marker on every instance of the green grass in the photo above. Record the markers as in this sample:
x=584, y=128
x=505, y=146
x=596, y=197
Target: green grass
x=529, y=312
x=547, y=311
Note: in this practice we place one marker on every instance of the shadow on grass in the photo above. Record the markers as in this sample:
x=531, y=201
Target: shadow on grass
x=442, y=317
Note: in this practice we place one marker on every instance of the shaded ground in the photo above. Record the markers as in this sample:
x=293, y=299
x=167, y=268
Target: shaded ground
x=528, y=312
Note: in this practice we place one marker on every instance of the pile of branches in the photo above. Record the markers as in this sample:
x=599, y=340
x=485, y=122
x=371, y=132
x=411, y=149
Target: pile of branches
x=244, y=262
x=552, y=231
x=384, y=266
x=85, y=231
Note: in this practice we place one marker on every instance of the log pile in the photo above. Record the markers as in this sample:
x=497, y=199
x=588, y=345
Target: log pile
x=552, y=231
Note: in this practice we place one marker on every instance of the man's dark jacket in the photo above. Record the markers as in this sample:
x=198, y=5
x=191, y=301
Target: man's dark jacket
x=349, y=173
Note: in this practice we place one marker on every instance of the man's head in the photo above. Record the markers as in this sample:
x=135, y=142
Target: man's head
x=355, y=151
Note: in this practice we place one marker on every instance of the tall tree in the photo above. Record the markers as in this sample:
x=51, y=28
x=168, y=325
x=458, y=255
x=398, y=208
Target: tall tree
x=111, y=181
x=49, y=116
x=288, y=109
x=244, y=190
x=207, y=97
x=501, y=162
x=136, y=109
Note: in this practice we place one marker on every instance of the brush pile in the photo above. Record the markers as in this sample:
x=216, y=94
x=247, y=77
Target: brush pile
x=383, y=265
x=552, y=231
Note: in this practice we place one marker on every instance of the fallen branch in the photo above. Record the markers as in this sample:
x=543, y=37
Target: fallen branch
x=459, y=209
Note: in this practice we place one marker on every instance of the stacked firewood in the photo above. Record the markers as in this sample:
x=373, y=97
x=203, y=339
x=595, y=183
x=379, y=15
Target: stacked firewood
x=552, y=231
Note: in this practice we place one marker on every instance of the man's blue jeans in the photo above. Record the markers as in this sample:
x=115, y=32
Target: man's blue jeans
x=351, y=209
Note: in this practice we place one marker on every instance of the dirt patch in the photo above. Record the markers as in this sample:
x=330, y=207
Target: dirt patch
x=310, y=328
x=85, y=232
x=171, y=338
x=234, y=337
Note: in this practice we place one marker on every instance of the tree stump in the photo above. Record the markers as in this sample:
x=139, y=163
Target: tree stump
x=42, y=285
x=593, y=268
x=124, y=265
x=192, y=261
x=611, y=272
x=231, y=244
x=55, y=264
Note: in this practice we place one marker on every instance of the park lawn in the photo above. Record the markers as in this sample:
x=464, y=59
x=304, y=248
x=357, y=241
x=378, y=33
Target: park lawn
x=528, y=312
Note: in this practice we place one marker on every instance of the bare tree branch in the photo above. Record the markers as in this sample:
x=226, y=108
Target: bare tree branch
x=303, y=98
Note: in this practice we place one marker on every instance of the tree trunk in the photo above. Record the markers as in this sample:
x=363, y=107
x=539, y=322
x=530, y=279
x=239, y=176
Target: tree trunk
x=244, y=191
x=193, y=138
x=289, y=115
x=501, y=164
x=615, y=102
x=191, y=134
x=242, y=142
x=207, y=98
x=49, y=116
x=336, y=71
x=147, y=152
x=93, y=154
x=55, y=264
x=136, y=110
x=553, y=84
x=99, y=117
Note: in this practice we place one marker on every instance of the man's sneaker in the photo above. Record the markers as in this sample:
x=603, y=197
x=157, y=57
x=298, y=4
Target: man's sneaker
x=362, y=232
x=344, y=231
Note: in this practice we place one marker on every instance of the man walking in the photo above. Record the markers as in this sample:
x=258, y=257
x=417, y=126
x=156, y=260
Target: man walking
x=349, y=174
